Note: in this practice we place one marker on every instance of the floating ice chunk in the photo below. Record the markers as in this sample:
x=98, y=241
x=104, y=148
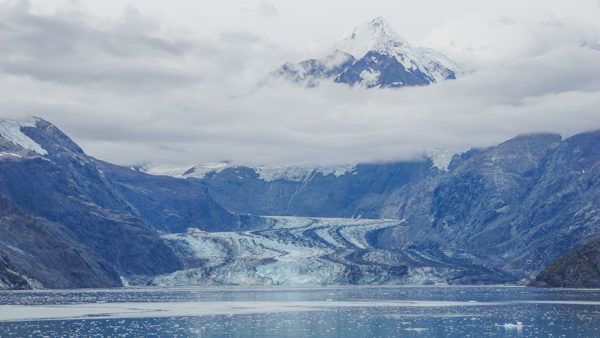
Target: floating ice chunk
x=510, y=326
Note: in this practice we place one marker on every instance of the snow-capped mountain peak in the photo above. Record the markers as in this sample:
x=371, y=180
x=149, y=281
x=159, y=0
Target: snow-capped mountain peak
x=375, y=30
x=373, y=55
x=375, y=35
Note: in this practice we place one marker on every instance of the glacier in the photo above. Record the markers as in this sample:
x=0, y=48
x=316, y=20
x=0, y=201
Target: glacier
x=287, y=250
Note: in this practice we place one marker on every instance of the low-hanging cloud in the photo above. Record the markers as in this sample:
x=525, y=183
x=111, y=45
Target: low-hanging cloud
x=130, y=90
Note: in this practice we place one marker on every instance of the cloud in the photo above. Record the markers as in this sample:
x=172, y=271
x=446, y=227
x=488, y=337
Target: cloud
x=267, y=10
x=133, y=89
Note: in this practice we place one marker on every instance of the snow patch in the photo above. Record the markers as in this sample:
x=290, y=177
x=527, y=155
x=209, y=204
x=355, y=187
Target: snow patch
x=301, y=173
x=200, y=171
x=11, y=131
x=442, y=157
x=369, y=77
x=160, y=170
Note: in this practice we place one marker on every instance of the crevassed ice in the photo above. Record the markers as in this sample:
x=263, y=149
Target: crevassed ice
x=11, y=130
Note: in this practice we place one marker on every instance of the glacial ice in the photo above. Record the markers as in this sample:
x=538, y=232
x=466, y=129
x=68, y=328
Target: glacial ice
x=290, y=250
x=11, y=130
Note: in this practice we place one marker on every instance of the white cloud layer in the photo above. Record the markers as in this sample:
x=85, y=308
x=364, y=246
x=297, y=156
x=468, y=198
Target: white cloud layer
x=140, y=85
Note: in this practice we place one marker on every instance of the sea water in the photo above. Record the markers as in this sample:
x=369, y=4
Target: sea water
x=354, y=311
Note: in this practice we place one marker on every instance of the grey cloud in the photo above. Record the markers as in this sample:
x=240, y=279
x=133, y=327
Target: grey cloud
x=130, y=55
x=129, y=94
x=70, y=48
x=267, y=10
x=505, y=21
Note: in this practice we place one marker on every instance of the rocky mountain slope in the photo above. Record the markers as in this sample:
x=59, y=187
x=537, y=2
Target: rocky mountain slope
x=106, y=210
x=579, y=268
x=35, y=252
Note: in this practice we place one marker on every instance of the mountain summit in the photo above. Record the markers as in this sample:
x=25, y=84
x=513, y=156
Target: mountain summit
x=376, y=34
x=373, y=55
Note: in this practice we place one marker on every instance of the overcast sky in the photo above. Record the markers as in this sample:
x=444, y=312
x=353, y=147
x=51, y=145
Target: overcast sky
x=176, y=82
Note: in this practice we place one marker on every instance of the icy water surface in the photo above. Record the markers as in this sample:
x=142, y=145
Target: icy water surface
x=303, y=312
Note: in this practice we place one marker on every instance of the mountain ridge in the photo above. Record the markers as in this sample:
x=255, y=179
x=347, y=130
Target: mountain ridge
x=496, y=214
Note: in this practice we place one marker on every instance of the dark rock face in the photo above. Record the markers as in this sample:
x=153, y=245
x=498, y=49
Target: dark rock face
x=10, y=279
x=388, y=70
x=478, y=204
x=37, y=253
x=170, y=204
x=578, y=269
x=358, y=193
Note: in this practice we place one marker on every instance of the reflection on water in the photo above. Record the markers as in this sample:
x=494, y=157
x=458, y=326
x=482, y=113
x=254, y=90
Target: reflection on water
x=314, y=312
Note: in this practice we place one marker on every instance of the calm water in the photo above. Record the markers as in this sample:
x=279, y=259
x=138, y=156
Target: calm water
x=303, y=312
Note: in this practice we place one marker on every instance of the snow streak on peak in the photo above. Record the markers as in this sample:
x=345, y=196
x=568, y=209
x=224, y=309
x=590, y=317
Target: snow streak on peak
x=10, y=129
